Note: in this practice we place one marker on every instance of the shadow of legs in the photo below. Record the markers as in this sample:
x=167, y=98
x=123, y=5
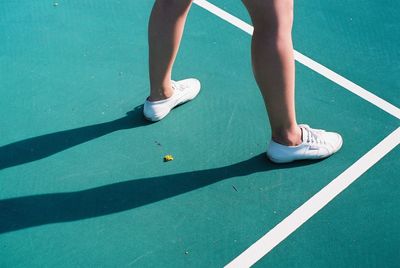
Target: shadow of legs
x=36, y=148
x=29, y=211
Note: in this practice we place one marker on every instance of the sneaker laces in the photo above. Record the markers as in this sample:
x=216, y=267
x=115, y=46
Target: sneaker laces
x=177, y=86
x=313, y=135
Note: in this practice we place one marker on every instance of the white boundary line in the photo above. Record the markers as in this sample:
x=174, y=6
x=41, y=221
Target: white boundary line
x=315, y=203
x=291, y=223
x=313, y=65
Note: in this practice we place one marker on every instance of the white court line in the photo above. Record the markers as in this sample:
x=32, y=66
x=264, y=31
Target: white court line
x=291, y=223
x=315, y=203
x=313, y=65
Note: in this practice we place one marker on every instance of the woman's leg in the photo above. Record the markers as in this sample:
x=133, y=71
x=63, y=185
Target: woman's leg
x=273, y=65
x=166, y=26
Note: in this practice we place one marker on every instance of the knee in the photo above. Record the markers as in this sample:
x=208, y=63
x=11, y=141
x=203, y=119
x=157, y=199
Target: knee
x=261, y=7
x=271, y=17
x=173, y=4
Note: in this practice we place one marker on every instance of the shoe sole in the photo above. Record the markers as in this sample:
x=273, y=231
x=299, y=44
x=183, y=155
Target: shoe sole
x=278, y=161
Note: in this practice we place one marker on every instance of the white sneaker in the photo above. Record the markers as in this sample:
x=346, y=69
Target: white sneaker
x=317, y=144
x=183, y=91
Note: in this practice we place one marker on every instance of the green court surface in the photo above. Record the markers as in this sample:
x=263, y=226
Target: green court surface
x=82, y=177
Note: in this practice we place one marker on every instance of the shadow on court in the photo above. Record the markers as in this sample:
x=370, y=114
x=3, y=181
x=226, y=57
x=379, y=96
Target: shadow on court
x=29, y=211
x=36, y=148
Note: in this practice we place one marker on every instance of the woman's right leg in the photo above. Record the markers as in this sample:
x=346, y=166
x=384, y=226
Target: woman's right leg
x=273, y=65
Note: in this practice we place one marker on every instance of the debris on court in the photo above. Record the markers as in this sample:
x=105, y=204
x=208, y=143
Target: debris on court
x=156, y=142
x=168, y=158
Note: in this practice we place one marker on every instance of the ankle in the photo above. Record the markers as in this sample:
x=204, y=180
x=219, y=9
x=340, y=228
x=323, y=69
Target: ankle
x=160, y=94
x=288, y=136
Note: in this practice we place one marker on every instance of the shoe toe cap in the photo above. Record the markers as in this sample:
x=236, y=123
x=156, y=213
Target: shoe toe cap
x=195, y=85
x=335, y=141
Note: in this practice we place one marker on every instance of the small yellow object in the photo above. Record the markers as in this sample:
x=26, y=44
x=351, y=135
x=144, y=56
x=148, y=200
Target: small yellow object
x=168, y=157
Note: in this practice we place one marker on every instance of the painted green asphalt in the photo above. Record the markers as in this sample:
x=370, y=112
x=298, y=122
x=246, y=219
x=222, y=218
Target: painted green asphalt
x=84, y=184
x=358, y=229
x=357, y=39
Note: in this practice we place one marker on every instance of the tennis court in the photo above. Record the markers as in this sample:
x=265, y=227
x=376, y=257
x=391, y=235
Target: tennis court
x=82, y=177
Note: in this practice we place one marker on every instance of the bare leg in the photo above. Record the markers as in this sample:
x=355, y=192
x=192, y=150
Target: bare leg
x=166, y=26
x=273, y=65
